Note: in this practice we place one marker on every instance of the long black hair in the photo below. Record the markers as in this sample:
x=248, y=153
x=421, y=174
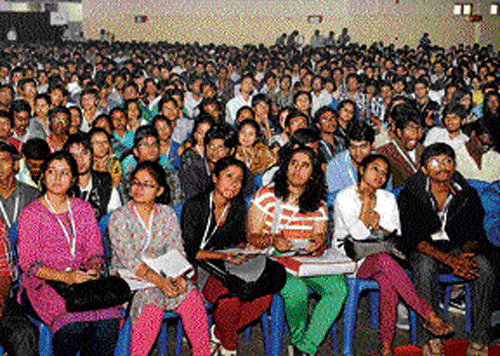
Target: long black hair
x=315, y=190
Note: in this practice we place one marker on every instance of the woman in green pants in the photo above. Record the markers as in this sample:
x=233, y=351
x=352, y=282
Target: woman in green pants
x=292, y=213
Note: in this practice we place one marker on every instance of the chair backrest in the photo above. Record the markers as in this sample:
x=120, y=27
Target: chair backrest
x=397, y=190
x=478, y=185
x=106, y=242
x=13, y=236
x=178, y=210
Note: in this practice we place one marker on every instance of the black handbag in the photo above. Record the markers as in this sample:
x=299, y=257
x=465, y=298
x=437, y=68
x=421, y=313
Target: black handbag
x=377, y=242
x=102, y=293
x=270, y=280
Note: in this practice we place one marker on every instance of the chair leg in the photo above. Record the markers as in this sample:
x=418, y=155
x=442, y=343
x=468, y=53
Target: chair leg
x=123, y=345
x=413, y=325
x=468, y=309
x=333, y=334
x=178, y=341
x=374, y=309
x=162, y=340
x=277, y=321
x=350, y=315
x=264, y=321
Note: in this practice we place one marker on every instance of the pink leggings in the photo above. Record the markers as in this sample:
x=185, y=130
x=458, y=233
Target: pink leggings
x=392, y=281
x=194, y=319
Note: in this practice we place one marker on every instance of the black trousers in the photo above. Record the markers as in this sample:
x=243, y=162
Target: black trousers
x=18, y=336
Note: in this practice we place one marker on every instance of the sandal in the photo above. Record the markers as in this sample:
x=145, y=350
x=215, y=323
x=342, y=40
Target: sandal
x=476, y=349
x=214, y=342
x=433, y=348
x=437, y=326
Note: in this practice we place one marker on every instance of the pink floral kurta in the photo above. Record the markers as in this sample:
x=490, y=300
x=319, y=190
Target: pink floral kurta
x=42, y=243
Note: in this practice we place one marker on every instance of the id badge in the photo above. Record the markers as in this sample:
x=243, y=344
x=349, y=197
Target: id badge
x=440, y=236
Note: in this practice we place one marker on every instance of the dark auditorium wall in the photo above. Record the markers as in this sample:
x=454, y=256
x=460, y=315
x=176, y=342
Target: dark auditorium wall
x=241, y=21
x=30, y=26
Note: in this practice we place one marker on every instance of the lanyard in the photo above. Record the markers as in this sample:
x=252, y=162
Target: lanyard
x=148, y=229
x=206, y=237
x=71, y=239
x=14, y=216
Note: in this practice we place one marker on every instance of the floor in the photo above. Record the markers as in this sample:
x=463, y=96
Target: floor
x=366, y=340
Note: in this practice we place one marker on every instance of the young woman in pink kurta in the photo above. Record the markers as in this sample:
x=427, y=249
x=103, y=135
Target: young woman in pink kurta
x=59, y=240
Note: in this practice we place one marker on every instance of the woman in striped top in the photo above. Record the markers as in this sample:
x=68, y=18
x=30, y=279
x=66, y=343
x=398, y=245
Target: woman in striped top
x=293, y=210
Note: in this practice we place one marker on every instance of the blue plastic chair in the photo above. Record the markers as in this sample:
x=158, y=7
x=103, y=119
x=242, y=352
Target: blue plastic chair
x=451, y=279
x=356, y=287
x=162, y=338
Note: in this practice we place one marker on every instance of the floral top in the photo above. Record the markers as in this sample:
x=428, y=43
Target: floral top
x=42, y=243
x=129, y=239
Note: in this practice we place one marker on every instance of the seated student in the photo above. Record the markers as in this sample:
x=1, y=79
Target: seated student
x=39, y=124
x=14, y=195
x=34, y=152
x=147, y=148
x=122, y=139
x=220, y=142
x=404, y=150
x=477, y=159
x=6, y=124
x=442, y=225
x=91, y=186
x=359, y=210
x=59, y=240
x=326, y=120
x=104, y=158
x=168, y=147
x=342, y=170
x=347, y=112
x=280, y=139
x=147, y=226
x=451, y=134
x=59, y=127
x=18, y=336
x=293, y=209
x=220, y=213
x=251, y=150
x=21, y=112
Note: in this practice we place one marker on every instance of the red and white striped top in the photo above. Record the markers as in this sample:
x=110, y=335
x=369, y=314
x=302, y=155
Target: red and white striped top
x=295, y=225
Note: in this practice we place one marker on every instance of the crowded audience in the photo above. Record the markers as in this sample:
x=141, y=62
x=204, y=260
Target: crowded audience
x=249, y=143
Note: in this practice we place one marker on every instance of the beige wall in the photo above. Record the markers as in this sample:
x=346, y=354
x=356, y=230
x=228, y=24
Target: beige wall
x=257, y=21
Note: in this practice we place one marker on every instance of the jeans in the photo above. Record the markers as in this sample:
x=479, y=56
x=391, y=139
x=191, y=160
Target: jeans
x=425, y=272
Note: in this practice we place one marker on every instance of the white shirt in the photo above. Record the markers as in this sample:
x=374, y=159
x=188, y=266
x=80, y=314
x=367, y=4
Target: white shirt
x=324, y=98
x=467, y=166
x=440, y=134
x=191, y=104
x=348, y=207
x=234, y=105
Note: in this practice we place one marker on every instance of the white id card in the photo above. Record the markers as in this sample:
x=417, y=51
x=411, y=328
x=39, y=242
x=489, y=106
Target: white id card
x=440, y=236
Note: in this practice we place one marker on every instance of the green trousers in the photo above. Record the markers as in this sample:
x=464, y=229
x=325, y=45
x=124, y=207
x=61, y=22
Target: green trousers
x=333, y=291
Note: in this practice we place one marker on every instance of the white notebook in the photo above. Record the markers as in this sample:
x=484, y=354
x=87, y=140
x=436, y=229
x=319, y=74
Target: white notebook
x=170, y=265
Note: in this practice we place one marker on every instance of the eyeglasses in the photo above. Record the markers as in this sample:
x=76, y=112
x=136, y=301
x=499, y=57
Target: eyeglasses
x=80, y=153
x=148, y=144
x=138, y=184
x=435, y=162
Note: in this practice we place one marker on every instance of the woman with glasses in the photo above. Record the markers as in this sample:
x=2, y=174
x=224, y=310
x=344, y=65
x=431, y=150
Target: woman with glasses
x=144, y=229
